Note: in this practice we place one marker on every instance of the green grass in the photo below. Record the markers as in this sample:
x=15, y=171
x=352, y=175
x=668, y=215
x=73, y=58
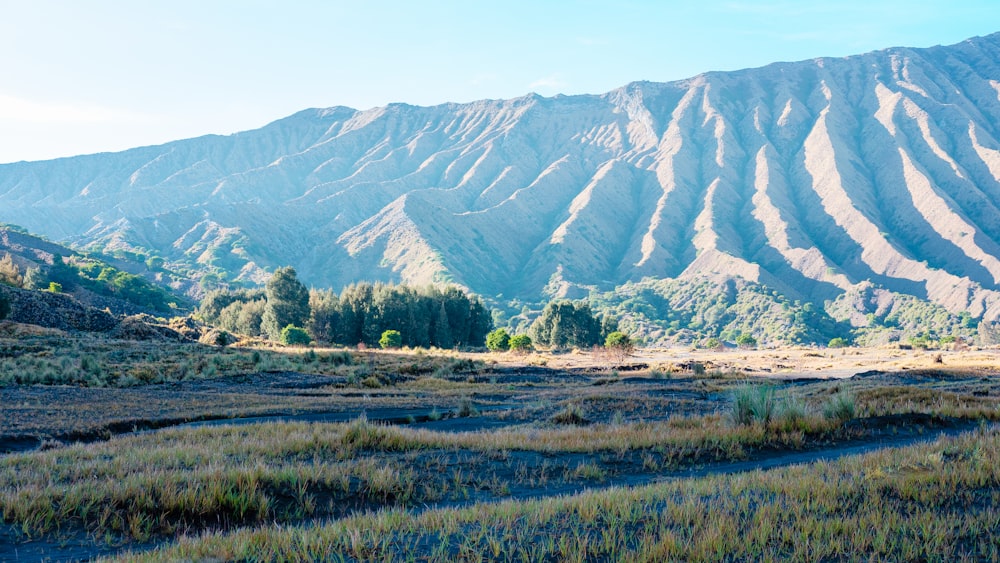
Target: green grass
x=930, y=502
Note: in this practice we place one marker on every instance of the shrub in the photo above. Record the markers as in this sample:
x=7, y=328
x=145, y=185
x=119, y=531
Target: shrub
x=521, y=344
x=571, y=414
x=292, y=335
x=466, y=409
x=498, y=340
x=217, y=337
x=390, y=339
x=712, y=343
x=837, y=342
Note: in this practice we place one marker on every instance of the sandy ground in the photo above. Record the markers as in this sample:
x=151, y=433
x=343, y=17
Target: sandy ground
x=784, y=362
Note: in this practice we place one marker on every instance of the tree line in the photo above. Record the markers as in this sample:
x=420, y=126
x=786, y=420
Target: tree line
x=360, y=314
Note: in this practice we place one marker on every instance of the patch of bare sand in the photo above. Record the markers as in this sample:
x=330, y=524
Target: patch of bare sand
x=788, y=363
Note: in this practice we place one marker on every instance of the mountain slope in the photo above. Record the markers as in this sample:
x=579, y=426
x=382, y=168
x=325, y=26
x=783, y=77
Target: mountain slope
x=809, y=177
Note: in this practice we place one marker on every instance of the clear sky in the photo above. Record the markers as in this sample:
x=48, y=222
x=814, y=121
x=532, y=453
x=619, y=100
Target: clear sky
x=84, y=76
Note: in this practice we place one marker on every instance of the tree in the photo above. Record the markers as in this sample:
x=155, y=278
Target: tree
x=480, y=322
x=391, y=339
x=4, y=307
x=63, y=273
x=619, y=346
x=441, y=330
x=837, y=342
x=521, y=344
x=287, y=303
x=566, y=324
x=33, y=278
x=9, y=272
x=746, y=340
x=498, y=340
x=292, y=335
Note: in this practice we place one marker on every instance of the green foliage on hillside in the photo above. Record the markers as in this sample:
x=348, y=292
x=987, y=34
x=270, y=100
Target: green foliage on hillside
x=880, y=316
x=692, y=310
x=698, y=311
x=95, y=276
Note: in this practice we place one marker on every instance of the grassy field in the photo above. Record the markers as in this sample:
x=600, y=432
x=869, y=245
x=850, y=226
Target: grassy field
x=259, y=453
x=935, y=502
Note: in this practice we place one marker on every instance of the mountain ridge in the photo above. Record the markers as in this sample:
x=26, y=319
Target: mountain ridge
x=809, y=177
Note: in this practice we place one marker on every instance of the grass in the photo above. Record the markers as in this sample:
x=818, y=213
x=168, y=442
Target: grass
x=928, y=502
x=157, y=485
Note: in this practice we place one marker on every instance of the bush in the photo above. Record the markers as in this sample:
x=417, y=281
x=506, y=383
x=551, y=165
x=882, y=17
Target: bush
x=292, y=335
x=521, y=344
x=745, y=340
x=55, y=287
x=217, y=337
x=571, y=414
x=390, y=339
x=712, y=343
x=498, y=340
x=837, y=342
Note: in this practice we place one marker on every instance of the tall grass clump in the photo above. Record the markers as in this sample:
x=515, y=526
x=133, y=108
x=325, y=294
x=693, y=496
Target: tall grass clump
x=841, y=407
x=753, y=403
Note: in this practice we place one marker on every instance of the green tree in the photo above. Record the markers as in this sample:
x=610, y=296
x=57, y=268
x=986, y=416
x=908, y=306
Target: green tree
x=521, y=343
x=287, y=303
x=498, y=340
x=391, y=339
x=746, y=340
x=566, y=324
x=837, y=342
x=4, y=307
x=480, y=322
x=292, y=335
x=63, y=273
x=619, y=346
x=441, y=330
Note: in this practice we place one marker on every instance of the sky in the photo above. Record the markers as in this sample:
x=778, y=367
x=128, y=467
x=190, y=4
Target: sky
x=87, y=76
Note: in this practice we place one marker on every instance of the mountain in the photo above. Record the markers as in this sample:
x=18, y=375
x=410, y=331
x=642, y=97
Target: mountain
x=807, y=177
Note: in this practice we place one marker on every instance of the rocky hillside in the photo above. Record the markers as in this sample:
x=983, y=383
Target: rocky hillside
x=808, y=177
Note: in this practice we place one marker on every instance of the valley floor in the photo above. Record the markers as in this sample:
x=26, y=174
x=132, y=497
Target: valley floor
x=329, y=454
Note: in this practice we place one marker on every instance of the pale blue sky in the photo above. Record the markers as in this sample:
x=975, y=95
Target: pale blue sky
x=84, y=76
